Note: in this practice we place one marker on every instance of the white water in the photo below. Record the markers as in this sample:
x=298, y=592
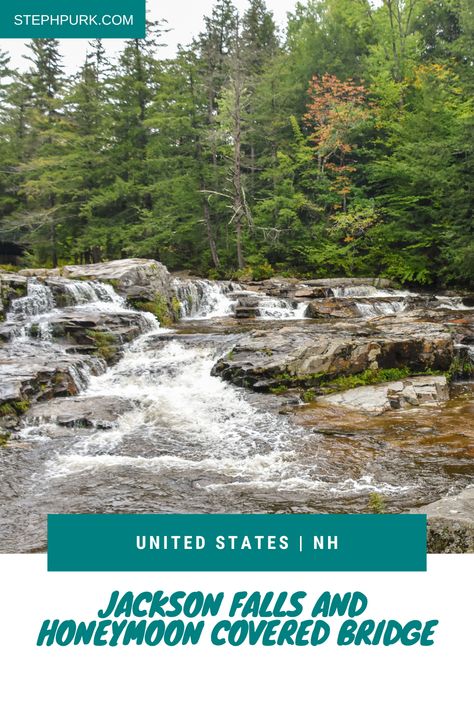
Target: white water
x=453, y=303
x=89, y=292
x=275, y=309
x=32, y=317
x=184, y=423
x=39, y=300
x=202, y=299
x=365, y=291
x=380, y=308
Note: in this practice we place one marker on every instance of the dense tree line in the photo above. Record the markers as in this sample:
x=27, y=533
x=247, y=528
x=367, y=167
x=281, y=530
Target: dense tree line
x=339, y=145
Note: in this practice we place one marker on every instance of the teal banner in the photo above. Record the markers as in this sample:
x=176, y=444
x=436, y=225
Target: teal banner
x=233, y=542
x=73, y=18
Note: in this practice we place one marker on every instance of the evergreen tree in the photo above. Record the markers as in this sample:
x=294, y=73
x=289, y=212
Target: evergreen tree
x=342, y=146
x=43, y=187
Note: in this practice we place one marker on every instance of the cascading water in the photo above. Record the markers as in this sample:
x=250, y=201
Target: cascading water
x=453, y=303
x=371, y=302
x=275, y=309
x=88, y=292
x=379, y=308
x=202, y=299
x=183, y=440
x=365, y=291
x=31, y=318
x=185, y=425
x=39, y=300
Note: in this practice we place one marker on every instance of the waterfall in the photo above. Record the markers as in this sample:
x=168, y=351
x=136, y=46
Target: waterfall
x=275, y=309
x=39, y=300
x=193, y=435
x=87, y=292
x=203, y=299
x=379, y=308
x=362, y=290
x=453, y=303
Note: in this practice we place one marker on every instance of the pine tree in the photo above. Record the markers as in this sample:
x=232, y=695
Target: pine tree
x=118, y=212
x=45, y=146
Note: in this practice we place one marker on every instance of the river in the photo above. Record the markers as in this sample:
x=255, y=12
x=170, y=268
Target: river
x=186, y=441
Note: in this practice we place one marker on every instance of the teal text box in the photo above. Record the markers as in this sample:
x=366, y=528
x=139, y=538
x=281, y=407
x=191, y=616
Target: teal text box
x=114, y=542
x=73, y=18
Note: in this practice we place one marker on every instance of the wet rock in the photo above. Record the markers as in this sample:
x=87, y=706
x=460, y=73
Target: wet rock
x=12, y=286
x=348, y=307
x=246, y=306
x=145, y=283
x=99, y=333
x=451, y=523
x=100, y=412
x=308, y=356
x=23, y=382
x=316, y=292
x=242, y=311
x=332, y=308
x=40, y=272
x=132, y=278
x=409, y=392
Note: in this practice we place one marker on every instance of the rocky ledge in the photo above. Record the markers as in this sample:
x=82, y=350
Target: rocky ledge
x=316, y=355
x=451, y=523
x=54, y=334
x=144, y=283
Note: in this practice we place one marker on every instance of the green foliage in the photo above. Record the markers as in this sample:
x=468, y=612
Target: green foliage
x=367, y=377
x=460, y=368
x=14, y=407
x=376, y=503
x=159, y=308
x=324, y=383
x=344, y=149
x=9, y=268
x=4, y=438
x=104, y=342
x=279, y=390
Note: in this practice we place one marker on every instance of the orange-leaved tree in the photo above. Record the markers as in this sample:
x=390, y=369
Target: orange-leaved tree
x=335, y=112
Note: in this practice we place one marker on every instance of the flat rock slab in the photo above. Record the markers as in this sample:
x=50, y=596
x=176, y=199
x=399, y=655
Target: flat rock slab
x=99, y=412
x=303, y=355
x=451, y=523
x=409, y=392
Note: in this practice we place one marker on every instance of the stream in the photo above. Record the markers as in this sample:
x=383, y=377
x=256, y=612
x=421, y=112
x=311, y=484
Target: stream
x=186, y=441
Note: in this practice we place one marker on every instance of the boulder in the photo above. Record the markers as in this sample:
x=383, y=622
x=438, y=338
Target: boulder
x=99, y=412
x=308, y=292
x=451, y=523
x=101, y=333
x=132, y=278
x=409, y=392
x=332, y=308
x=245, y=311
x=247, y=305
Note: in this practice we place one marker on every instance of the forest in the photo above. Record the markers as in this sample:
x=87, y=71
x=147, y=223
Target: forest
x=339, y=145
